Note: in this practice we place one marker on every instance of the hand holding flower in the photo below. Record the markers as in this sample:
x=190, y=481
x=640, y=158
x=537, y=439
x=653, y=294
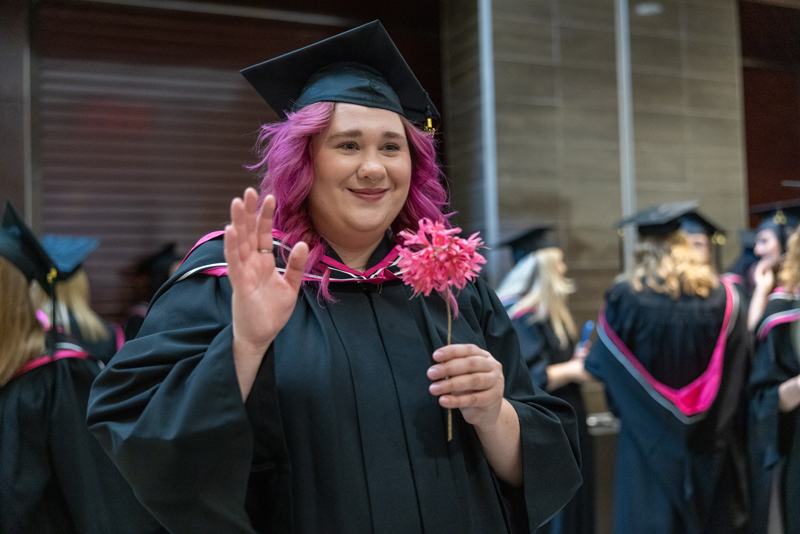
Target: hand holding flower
x=470, y=379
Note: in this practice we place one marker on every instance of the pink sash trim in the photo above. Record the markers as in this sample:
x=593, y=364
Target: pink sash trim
x=774, y=321
x=217, y=271
x=732, y=278
x=43, y=360
x=698, y=396
x=43, y=318
x=120, y=336
x=205, y=238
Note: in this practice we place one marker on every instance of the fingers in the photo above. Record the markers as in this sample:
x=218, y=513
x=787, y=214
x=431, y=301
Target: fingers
x=450, y=352
x=296, y=265
x=465, y=384
x=250, y=206
x=264, y=224
x=239, y=243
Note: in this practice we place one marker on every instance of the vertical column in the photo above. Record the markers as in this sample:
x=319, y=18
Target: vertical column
x=15, y=104
x=488, y=135
x=627, y=164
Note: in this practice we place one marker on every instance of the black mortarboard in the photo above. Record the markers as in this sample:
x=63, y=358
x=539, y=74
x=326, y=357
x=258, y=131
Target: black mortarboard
x=660, y=220
x=780, y=217
x=360, y=66
x=68, y=252
x=529, y=241
x=694, y=223
x=159, y=262
x=18, y=244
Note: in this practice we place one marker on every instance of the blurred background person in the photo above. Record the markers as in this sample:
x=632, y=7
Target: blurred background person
x=673, y=354
x=778, y=222
x=151, y=273
x=74, y=314
x=54, y=476
x=742, y=270
x=774, y=415
x=535, y=294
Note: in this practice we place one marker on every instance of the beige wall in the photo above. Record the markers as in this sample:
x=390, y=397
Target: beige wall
x=557, y=130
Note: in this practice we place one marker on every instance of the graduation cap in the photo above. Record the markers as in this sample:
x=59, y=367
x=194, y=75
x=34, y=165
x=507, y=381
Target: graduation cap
x=778, y=216
x=68, y=252
x=360, y=66
x=529, y=241
x=160, y=262
x=660, y=220
x=18, y=244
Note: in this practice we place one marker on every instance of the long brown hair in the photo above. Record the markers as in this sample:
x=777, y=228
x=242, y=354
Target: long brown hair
x=669, y=265
x=790, y=273
x=21, y=333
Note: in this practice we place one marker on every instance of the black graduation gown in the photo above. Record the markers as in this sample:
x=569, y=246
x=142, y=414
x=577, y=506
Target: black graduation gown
x=681, y=460
x=339, y=433
x=102, y=349
x=541, y=348
x=54, y=476
x=775, y=435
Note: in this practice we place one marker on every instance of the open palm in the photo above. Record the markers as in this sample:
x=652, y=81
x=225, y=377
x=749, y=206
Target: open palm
x=263, y=299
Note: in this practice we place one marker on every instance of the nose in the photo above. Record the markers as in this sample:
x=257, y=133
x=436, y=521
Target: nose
x=371, y=169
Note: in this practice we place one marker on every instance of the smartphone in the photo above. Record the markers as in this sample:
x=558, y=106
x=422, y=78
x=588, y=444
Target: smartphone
x=587, y=332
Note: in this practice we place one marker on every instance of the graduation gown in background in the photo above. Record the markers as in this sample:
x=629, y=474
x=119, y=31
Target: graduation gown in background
x=675, y=373
x=541, y=348
x=775, y=435
x=54, y=476
x=339, y=433
x=102, y=349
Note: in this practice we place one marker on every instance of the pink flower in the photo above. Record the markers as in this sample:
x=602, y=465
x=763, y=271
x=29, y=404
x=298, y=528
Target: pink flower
x=435, y=258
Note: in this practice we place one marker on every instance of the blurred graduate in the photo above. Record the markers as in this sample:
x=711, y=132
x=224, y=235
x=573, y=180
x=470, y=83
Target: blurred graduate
x=775, y=405
x=73, y=313
x=673, y=354
x=54, y=476
x=535, y=294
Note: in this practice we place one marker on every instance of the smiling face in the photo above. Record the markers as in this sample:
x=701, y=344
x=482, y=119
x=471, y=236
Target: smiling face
x=362, y=174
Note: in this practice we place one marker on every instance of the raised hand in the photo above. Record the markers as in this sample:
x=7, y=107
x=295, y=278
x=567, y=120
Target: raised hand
x=263, y=299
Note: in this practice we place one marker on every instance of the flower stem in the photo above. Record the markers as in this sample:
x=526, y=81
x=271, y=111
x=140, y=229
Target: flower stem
x=449, y=330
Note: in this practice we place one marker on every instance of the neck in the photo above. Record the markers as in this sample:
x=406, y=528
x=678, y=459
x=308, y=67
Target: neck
x=355, y=257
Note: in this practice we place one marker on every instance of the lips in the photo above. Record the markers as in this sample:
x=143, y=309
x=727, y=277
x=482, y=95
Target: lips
x=369, y=194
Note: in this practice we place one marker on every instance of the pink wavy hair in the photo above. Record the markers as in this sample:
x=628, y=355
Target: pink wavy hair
x=285, y=162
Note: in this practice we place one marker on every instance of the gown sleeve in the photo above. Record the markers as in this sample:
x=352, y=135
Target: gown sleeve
x=533, y=345
x=548, y=425
x=169, y=412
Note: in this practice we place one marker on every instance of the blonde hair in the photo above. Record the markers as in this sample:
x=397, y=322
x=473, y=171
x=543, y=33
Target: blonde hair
x=72, y=296
x=21, y=333
x=544, y=292
x=669, y=265
x=789, y=275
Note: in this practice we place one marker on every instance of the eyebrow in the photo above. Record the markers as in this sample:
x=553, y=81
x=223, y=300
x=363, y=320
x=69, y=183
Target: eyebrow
x=359, y=133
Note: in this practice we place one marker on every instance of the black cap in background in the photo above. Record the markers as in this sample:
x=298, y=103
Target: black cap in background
x=695, y=223
x=18, y=244
x=360, y=66
x=660, y=220
x=529, y=241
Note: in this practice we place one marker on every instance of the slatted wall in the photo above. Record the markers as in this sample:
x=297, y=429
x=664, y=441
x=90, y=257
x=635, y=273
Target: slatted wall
x=140, y=144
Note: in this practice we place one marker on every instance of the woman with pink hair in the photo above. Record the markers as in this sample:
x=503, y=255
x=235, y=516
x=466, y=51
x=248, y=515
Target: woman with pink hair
x=285, y=381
